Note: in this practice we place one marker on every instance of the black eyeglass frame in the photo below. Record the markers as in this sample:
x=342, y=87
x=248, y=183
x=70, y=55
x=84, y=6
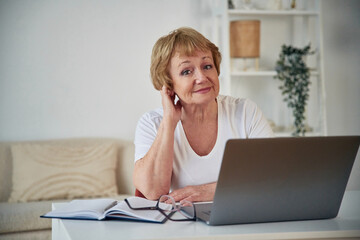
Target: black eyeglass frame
x=168, y=216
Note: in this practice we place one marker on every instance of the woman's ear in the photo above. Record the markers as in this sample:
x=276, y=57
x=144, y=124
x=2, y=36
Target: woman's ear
x=169, y=86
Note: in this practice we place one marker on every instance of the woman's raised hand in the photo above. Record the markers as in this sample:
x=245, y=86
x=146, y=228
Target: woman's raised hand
x=172, y=110
x=152, y=173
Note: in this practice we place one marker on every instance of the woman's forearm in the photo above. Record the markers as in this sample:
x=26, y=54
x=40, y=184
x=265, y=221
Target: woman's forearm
x=152, y=173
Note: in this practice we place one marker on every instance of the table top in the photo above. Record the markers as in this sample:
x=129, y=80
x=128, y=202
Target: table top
x=346, y=224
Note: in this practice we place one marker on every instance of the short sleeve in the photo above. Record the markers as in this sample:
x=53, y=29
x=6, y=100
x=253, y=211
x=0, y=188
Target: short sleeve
x=145, y=133
x=257, y=125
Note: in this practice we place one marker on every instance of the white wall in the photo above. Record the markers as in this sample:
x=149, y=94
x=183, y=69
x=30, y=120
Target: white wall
x=341, y=21
x=81, y=68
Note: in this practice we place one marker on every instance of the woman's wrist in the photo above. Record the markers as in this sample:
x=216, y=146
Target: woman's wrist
x=169, y=123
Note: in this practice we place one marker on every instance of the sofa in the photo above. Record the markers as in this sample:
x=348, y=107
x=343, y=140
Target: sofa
x=34, y=174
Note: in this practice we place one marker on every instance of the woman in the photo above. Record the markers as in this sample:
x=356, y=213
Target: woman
x=179, y=147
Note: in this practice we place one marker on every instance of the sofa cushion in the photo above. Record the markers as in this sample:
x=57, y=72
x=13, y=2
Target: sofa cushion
x=16, y=217
x=48, y=171
x=37, y=234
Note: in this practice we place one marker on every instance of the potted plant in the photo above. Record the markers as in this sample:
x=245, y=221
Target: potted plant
x=292, y=71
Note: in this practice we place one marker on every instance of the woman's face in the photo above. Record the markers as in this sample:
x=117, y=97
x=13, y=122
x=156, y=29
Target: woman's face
x=195, y=78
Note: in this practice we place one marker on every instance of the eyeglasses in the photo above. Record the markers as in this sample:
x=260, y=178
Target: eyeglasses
x=186, y=208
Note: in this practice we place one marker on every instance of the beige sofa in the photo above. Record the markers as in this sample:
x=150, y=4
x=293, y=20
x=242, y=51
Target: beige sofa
x=19, y=219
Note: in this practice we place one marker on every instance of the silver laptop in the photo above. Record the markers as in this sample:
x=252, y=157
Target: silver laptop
x=281, y=179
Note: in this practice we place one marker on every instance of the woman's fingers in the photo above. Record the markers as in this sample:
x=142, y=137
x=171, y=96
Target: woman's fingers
x=166, y=98
x=172, y=111
x=197, y=193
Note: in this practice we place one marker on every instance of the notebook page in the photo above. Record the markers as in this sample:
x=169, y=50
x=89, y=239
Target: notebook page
x=92, y=208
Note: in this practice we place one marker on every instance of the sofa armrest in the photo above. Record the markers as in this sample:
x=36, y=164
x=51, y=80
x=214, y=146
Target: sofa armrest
x=125, y=167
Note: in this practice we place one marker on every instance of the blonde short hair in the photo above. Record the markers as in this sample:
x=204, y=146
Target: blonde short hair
x=185, y=41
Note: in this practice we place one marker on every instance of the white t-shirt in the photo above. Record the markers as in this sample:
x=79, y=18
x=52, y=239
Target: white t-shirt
x=237, y=118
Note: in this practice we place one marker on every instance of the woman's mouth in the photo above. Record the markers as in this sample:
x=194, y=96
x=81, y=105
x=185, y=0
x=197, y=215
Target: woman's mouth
x=203, y=90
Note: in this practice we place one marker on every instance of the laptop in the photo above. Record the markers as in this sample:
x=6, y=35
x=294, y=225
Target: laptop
x=281, y=179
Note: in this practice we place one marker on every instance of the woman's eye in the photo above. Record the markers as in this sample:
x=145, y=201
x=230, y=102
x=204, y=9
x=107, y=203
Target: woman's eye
x=185, y=72
x=208, y=66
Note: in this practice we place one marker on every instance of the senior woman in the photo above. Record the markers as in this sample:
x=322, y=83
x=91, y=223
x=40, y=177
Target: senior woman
x=179, y=147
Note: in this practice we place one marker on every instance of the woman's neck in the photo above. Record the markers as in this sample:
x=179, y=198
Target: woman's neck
x=198, y=114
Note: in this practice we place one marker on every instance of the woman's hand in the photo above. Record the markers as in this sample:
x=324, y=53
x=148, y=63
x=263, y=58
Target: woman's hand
x=197, y=193
x=172, y=111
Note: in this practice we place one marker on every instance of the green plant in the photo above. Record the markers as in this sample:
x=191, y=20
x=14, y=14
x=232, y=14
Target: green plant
x=294, y=75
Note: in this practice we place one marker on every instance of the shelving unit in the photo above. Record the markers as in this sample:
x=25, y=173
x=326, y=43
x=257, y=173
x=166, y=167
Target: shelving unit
x=298, y=28
x=261, y=73
x=234, y=12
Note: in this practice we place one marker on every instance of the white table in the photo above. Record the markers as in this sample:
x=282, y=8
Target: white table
x=345, y=225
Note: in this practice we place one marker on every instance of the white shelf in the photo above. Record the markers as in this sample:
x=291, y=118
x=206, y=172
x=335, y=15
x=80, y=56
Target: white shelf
x=289, y=134
x=253, y=73
x=234, y=12
x=261, y=73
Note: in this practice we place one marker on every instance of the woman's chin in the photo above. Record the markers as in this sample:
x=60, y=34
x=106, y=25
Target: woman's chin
x=203, y=99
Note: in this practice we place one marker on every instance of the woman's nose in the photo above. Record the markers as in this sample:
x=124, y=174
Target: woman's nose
x=200, y=76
